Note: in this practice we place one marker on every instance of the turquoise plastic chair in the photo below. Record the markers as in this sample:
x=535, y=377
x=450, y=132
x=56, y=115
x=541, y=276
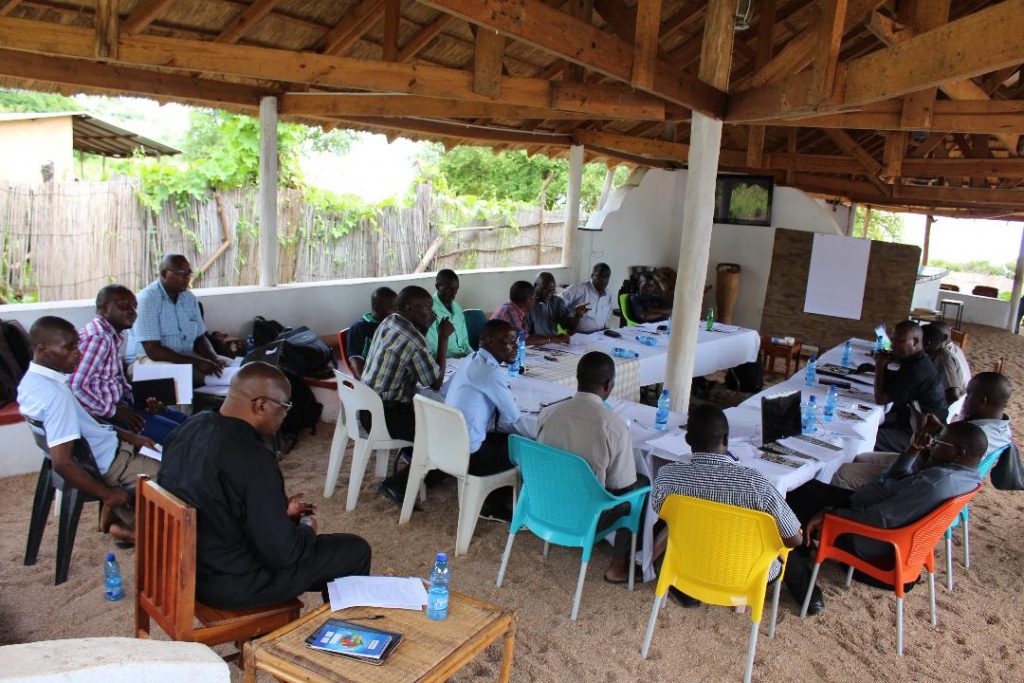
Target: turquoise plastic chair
x=475, y=319
x=561, y=501
x=984, y=467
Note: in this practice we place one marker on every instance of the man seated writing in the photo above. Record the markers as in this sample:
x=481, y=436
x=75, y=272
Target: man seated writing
x=647, y=305
x=397, y=363
x=593, y=294
x=550, y=311
x=360, y=334
x=480, y=390
x=170, y=327
x=949, y=469
x=446, y=287
x=987, y=396
x=44, y=395
x=915, y=380
x=99, y=382
x=252, y=549
x=947, y=358
x=714, y=474
x=584, y=425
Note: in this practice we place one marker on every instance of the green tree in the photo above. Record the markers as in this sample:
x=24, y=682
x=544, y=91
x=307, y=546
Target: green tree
x=884, y=226
x=26, y=101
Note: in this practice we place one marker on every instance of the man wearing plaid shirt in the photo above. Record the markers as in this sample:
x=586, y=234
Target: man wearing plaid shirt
x=99, y=381
x=398, y=362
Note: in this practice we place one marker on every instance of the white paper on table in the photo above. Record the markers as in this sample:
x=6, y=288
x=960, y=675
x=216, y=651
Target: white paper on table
x=837, y=276
x=377, y=591
x=236, y=362
x=226, y=375
x=181, y=373
x=673, y=443
x=156, y=454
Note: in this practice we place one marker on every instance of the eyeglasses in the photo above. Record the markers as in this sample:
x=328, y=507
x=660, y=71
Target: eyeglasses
x=939, y=442
x=183, y=272
x=283, y=404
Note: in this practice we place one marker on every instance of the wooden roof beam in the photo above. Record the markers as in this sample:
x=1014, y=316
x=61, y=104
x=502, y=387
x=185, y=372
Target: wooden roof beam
x=535, y=23
x=106, y=29
x=392, y=24
x=400, y=106
x=139, y=20
x=487, y=62
x=922, y=17
x=423, y=37
x=352, y=27
x=645, y=44
x=245, y=20
x=968, y=116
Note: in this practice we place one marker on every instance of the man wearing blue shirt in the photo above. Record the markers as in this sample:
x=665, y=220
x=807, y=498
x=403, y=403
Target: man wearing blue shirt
x=170, y=327
x=480, y=389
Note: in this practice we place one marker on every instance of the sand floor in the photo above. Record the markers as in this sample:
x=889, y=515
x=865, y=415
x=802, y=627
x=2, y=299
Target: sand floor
x=978, y=637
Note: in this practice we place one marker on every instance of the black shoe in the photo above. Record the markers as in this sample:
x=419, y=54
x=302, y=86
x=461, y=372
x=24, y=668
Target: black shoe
x=682, y=598
x=817, y=603
x=390, y=493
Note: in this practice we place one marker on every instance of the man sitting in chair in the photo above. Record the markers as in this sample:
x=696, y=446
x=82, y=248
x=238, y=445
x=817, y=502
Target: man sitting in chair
x=44, y=395
x=255, y=546
x=586, y=426
x=593, y=294
x=950, y=469
x=947, y=358
x=480, y=390
x=549, y=311
x=516, y=311
x=446, y=287
x=647, y=305
x=714, y=474
x=360, y=334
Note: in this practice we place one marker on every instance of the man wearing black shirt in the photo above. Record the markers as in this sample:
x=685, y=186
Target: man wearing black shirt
x=252, y=550
x=915, y=380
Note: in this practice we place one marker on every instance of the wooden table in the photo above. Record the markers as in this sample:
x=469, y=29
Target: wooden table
x=430, y=651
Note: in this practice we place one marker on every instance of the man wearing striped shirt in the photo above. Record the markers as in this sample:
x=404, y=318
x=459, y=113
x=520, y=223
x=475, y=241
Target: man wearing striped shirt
x=714, y=474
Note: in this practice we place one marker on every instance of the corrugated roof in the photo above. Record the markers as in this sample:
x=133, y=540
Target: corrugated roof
x=96, y=136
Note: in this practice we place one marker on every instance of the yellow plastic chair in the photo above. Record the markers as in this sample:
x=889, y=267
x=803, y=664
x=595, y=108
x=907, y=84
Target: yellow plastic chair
x=719, y=554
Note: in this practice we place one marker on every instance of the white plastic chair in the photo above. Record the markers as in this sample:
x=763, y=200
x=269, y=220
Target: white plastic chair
x=442, y=443
x=355, y=397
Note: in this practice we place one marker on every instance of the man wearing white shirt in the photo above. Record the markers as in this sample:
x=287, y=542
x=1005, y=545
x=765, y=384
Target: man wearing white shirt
x=480, y=390
x=595, y=295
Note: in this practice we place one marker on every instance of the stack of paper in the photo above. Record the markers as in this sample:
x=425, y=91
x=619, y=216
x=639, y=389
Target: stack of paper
x=673, y=443
x=377, y=591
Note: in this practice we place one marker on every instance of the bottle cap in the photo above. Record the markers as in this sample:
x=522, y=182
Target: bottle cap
x=813, y=399
x=110, y=557
x=442, y=557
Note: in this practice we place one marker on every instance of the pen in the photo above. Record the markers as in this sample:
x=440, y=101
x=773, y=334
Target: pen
x=367, y=618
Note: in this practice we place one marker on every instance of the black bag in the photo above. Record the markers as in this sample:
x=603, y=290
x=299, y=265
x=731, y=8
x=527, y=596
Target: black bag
x=1008, y=474
x=306, y=410
x=265, y=331
x=15, y=354
x=305, y=354
x=748, y=377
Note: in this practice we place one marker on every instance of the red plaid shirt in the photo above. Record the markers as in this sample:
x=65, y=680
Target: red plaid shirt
x=99, y=382
x=513, y=314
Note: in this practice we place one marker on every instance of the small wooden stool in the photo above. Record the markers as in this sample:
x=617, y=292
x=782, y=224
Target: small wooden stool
x=789, y=352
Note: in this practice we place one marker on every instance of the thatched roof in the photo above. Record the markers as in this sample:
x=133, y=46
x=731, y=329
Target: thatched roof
x=914, y=105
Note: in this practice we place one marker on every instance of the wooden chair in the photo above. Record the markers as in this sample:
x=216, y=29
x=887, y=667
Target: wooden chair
x=959, y=338
x=165, y=578
x=343, y=354
x=998, y=366
x=985, y=290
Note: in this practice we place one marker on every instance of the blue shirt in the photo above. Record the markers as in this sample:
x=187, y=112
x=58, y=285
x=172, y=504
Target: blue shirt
x=175, y=324
x=479, y=389
x=44, y=395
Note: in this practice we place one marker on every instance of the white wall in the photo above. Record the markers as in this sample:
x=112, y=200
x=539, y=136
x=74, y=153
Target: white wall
x=641, y=226
x=982, y=310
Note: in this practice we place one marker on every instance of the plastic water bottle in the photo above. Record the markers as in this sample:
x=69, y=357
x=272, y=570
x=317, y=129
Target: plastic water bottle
x=620, y=352
x=113, y=589
x=709, y=321
x=879, y=345
x=828, y=412
x=661, y=419
x=810, y=417
x=811, y=373
x=250, y=343
x=647, y=340
x=437, y=596
x=847, y=360
x=521, y=350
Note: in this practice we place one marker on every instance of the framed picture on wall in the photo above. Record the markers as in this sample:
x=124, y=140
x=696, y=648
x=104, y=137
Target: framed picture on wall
x=744, y=199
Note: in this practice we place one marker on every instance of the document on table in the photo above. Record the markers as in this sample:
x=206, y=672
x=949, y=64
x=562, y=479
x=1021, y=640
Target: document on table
x=673, y=443
x=226, y=375
x=154, y=453
x=377, y=591
x=181, y=373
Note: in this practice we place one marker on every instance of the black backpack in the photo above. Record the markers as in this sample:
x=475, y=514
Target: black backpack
x=747, y=377
x=305, y=354
x=15, y=354
x=265, y=331
x=306, y=410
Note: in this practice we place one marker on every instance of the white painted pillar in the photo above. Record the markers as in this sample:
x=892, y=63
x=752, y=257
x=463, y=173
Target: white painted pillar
x=1018, y=280
x=268, y=192
x=609, y=176
x=695, y=247
x=572, y=208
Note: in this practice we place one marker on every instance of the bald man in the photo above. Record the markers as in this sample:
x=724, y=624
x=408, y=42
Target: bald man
x=169, y=327
x=916, y=380
x=253, y=548
x=44, y=396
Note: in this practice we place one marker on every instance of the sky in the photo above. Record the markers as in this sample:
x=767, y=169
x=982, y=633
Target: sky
x=960, y=240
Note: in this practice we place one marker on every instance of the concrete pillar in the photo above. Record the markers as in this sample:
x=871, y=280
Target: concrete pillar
x=698, y=216
x=572, y=208
x=1018, y=279
x=268, y=192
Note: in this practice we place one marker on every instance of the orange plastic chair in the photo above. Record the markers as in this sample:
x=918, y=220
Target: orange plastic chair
x=722, y=555
x=915, y=550
x=343, y=354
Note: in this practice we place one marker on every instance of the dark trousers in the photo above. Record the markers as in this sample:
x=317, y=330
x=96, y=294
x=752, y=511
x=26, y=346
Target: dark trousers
x=492, y=458
x=622, y=536
x=334, y=556
x=401, y=421
x=893, y=437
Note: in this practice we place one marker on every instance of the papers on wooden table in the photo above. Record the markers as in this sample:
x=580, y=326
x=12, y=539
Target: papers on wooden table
x=377, y=591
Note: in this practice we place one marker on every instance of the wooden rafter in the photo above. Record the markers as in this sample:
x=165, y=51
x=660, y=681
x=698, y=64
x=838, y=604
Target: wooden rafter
x=106, y=29
x=7, y=6
x=392, y=25
x=487, y=62
x=968, y=116
x=922, y=17
x=645, y=44
x=423, y=37
x=245, y=20
x=825, y=64
x=139, y=20
x=352, y=27
x=385, y=106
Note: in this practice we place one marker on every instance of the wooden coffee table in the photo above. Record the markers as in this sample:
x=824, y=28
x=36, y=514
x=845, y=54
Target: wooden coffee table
x=430, y=651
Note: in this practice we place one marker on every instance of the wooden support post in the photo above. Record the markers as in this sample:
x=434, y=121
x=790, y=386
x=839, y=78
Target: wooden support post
x=765, y=35
x=826, y=63
x=928, y=220
x=268, y=192
x=106, y=29
x=572, y=209
x=1018, y=280
x=892, y=161
x=867, y=220
x=698, y=206
x=487, y=62
x=645, y=45
x=392, y=23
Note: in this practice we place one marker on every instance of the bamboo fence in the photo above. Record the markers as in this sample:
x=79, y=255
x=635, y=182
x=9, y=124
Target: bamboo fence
x=63, y=241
